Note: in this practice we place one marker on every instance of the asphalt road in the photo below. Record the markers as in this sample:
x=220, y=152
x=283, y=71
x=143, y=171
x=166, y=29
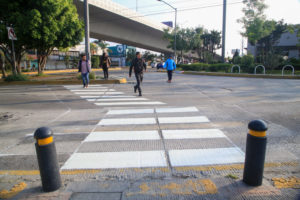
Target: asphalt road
x=107, y=127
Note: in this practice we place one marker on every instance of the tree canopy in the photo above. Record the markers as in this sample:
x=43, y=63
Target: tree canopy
x=42, y=25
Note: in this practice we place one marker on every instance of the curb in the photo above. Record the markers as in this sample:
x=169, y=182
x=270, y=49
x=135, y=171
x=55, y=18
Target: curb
x=240, y=75
x=72, y=82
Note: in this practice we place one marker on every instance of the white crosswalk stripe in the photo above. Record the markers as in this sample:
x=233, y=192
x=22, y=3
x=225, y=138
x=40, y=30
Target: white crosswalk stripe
x=194, y=157
x=127, y=121
x=122, y=135
x=192, y=134
x=107, y=160
x=130, y=103
x=114, y=148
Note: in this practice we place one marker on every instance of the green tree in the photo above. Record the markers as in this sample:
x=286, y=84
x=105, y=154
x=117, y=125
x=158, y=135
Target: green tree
x=93, y=48
x=254, y=20
x=182, y=39
x=215, y=41
x=148, y=56
x=130, y=55
x=50, y=24
x=12, y=14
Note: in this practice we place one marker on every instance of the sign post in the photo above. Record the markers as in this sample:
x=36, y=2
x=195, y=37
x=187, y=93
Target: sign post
x=12, y=36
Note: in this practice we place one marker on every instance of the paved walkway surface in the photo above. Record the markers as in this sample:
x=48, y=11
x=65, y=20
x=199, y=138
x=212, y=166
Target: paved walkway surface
x=184, y=140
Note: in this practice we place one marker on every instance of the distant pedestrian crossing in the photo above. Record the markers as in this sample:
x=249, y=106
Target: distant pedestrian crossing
x=103, y=96
x=143, y=143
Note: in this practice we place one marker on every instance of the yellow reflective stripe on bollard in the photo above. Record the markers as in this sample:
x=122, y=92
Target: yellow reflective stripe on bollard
x=257, y=133
x=45, y=141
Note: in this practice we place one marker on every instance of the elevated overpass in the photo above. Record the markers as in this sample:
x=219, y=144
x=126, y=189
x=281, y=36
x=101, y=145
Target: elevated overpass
x=113, y=22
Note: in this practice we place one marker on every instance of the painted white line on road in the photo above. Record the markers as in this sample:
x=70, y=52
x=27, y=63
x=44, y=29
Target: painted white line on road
x=107, y=160
x=123, y=99
x=122, y=135
x=114, y=92
x=130, y=103
x=71, y=86
x=176, y=110
x=94, y=90
x=119, y=96
x=89, y=97
x=127, y=121
x=132, y=111
x=181, y=120
x=97, y=93
x=193, y=134
x=87, y=93
x=195, y=157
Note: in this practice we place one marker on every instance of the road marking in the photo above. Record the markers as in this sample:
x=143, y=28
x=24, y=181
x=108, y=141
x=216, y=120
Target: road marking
x=122, y=135
x=89, y=97
x=180, y=120
x=193, y=134
x=194, y=157
x=176, y=110
x=127, y=121
x=178, y=188
x=97, y=93
x=72, y=86
x=130, y=103
x=94, y=90
x=60, y=134
x=5, y=194
x=123, y=99
x=116, y=160
x=119, y=96
x=132, y=111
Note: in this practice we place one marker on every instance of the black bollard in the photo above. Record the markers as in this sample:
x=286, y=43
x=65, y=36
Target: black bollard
x=255, y=153
x=47, y=159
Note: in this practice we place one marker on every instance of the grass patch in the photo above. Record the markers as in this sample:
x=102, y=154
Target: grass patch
x=232, y=176
x=17, y=77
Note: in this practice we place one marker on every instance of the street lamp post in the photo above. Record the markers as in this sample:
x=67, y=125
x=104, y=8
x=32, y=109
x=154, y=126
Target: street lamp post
x=175, y=27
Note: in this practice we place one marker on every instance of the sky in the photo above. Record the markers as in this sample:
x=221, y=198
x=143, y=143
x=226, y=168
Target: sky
x=208, y=13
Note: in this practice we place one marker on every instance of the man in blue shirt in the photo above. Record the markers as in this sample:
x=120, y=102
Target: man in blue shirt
x=171, y=66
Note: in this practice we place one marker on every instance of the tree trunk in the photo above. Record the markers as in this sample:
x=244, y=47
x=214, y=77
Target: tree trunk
x=2, y=65
x=42, y=63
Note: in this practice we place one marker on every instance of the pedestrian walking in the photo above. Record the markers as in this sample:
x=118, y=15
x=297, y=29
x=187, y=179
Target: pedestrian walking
x=105, y=64
x=84, y=67
x=138, y=65
x=33, y=68
x=171, y=66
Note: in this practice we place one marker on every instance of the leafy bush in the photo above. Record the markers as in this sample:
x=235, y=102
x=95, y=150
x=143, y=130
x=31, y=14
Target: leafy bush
x=224, y=67
x=219, y=67
x=17, y=77
x=26, y=70
x=95, y=61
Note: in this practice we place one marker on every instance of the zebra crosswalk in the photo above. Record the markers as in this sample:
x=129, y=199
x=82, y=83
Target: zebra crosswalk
x=104, y=96
x=135, y=146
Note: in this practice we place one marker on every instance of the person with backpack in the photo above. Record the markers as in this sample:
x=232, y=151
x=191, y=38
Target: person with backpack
x=105, y=64
x=139, y=66
x=171, y=66
x=84, y=67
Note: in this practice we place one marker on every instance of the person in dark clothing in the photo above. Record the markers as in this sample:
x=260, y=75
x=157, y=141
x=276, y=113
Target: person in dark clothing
x=84, y=66
x=105, y=64
x=139, y=66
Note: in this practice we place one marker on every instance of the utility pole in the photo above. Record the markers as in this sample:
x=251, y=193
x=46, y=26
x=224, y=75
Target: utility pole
x=224, y=30
x=87, y=29
x=136, y=5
